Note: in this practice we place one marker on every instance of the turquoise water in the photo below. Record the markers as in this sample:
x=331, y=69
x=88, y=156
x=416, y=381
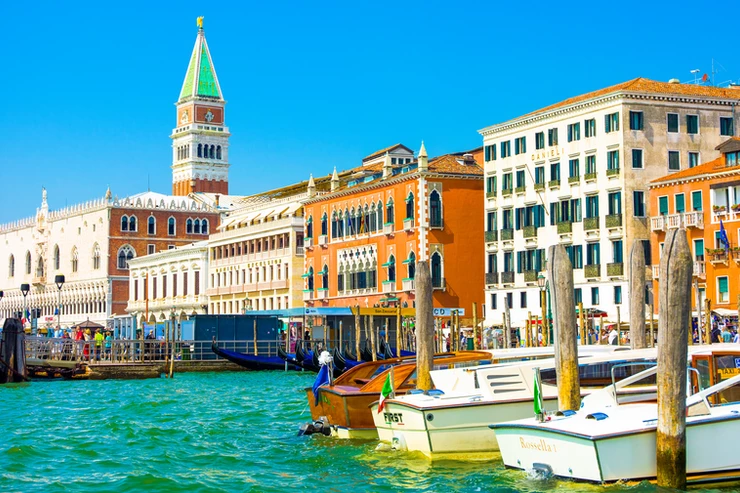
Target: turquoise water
x=210, y=432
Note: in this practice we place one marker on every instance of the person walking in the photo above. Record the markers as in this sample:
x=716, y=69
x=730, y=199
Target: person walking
x=99, y=338
x=726, y=335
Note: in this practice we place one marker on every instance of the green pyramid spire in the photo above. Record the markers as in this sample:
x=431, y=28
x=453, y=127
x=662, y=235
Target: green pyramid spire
x=200, y=79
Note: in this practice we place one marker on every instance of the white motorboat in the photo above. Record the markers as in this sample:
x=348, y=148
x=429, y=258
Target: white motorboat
x=452, y=421
x=613, y=436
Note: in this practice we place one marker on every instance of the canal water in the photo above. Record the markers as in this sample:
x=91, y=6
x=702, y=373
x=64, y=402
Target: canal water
x=211, y=432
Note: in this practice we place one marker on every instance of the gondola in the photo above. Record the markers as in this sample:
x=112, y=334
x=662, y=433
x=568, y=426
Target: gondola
x=342, y=362
x=365, y=353
x=388, y=352
x=251, y=361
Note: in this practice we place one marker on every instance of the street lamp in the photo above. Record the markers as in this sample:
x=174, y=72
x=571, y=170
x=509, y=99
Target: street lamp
x=1, y=295
x=542, y=283
x=25, y=288
x=59, y=281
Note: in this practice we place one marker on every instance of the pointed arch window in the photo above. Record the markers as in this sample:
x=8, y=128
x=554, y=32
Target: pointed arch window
x=325, y=277
x=56, y=257
x=436, y=270
x=196, y=227
x=171, y=226
x=218, y=152
x=411, y=265
x=132, y=223
x=204, y=227
x=124, y=223
x=366, y=220
x=391, y=266
x=40, y=267
x=347, y=223
x=435, y=209
x=200, y=150
x=379, y=212
x=75, y=259
x=11, y=266
x=212, y=152
x=125, y=253
x=410, y=206
x=340, y=224
x=96, y=257
x=334, y=224
x=324, y=225
x=189, y=226
x=389, y=212
x=309, y=227
x=28, y=263
x=372, y=220
x=151, y=225
x=309, y=279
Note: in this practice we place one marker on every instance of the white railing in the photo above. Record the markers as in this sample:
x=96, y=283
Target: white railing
x=286, y=222
x=700, y=269
x=323, y=240
x=299, y=250
x=408, y=285
x=408, y=224
x=307, y=295
x=693, y=219
x=388, y=229
x=389, y=286
x=656, y=271
x=657, y=223
x=322, y=294
x=726, y=214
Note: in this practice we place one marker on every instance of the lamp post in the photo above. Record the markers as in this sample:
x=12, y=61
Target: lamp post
x=25, y=288
x=542, y=283
x=59, y=281
x=1, y=298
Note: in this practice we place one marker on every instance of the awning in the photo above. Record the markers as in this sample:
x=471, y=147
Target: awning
x=725, y=312
x=306, y=275
x=388, y=264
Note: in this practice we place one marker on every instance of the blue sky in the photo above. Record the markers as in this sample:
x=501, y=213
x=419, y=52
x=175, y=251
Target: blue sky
x=90, y=86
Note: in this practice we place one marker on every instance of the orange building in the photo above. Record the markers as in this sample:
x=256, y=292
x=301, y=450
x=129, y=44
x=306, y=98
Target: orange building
x=705, y=199
x=365, y=232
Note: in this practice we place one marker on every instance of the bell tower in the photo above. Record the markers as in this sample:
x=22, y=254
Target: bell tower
x=200, y=140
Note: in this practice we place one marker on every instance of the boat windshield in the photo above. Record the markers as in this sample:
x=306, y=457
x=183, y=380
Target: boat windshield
x=599, y=374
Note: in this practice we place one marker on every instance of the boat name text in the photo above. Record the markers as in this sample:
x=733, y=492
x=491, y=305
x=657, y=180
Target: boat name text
x=540, y=445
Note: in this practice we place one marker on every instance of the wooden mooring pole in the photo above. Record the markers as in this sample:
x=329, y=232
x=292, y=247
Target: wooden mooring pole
x=507, y=324
x=707, y=321
x=675, y=307
x=374, y=348
x=560, y=274
x=477, y=334
x=399, y=323
x=637, y=296
x=255, y=336
x=582, y=325
x=358, y=333
x=424, y=327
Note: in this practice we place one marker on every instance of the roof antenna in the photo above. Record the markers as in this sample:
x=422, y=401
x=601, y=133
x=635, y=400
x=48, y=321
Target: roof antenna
x=148, y=189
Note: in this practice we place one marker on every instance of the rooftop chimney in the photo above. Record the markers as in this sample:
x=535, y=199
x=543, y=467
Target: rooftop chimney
x=387, y=169
x=334, y=180
x=468, y=159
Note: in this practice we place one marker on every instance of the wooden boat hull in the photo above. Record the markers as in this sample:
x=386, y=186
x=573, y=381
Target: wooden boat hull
x=348, y=412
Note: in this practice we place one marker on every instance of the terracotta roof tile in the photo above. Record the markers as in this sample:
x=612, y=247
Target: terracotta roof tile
x=711, y=167
x=643, y=85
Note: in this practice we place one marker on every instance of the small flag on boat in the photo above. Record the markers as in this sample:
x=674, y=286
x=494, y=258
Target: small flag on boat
x=387, y=390
x=321, y=379
x=537, y=395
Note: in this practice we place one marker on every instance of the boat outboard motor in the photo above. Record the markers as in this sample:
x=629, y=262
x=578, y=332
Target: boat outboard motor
x=320, y=426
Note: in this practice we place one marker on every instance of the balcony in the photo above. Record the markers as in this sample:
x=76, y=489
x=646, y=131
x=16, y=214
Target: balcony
x=389, y=286
x=408, y=224
x=507, y=234
x=39, y=280
x=491, y=236
x=614, y=221
x=589, y=177
x=323, y=240
x=693, y=219
x=491, y=278
x=591, y=223
x=592, y=271
x=308, y=243
x=506, y=192
x=521, y=190
x=388, y=228
x=539, y=187
x=565, y=227
x=717, y=256
x=612, y=173
x=530, y=232
x=491, y=194
x=409, y=285
x=322, y=293
x=574, y=180
x=530, y=276
x=700, y=269
x=553, y=183
x=507, y=278
x=615, y=269
x=308, y=294
x=299, y=250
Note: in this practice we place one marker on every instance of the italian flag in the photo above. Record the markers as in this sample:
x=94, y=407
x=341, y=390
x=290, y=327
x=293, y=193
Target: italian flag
x=387, y=390
x=538, y=407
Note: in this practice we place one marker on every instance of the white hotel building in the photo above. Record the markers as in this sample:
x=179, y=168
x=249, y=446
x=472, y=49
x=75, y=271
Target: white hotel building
x=577, y=173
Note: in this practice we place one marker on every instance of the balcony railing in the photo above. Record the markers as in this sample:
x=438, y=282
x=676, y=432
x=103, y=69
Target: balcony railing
x=530, y=276
x=615, y=269
x=491, y=194
x=521, y=189
x=612, y=172
x=388, y=228
x=38, y=280
x=308, y=294
x=538, y=187
x=693, y=219
x=506, y=192
x=389, y=286
x=308, y=242
x=574, y=179
x=592, y=271
x=491, y=236
x=408, y=224
x=507, y=278
x=323, y=240
x=299, y=250
x=589, y=177
x=717, y=256
x=700, y=269
x=613, y=220
x=553, y=183
x=530, y=231
x=507, y=234
x=591, y=223
x=565, y=227
x=491, y=278
x=409, y=285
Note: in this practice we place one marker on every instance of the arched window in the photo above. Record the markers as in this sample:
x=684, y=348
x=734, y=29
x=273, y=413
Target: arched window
x=389, y=212
x=96, y=256
x=347, y=223
x=196, y=227
x=410, y=206
x=56, y=257
x=212, y=153
x=40, y=267
x=309, y=227
x=204, y=227
x=28, y=263
x=125, y=253
x=124, y=223
x=132, y=223
x=372, y=221
x=310, y=278
x=218, y=152
x=324, y=225
x=379, y=212
x=189, y=226
x=436, y=268
x=325, y=277
x=435, y=210
x=11, y=266
x=352, y=222
x=334, y=224
x=171, y=226
x=411, y=265
x=200, y=150
x=391, y=265
x=340, y=224
x=366, y=220
x=75, y=259
x=151, y=225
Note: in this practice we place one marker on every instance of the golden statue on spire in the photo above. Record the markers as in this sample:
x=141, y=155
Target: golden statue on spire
x=199, y=21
